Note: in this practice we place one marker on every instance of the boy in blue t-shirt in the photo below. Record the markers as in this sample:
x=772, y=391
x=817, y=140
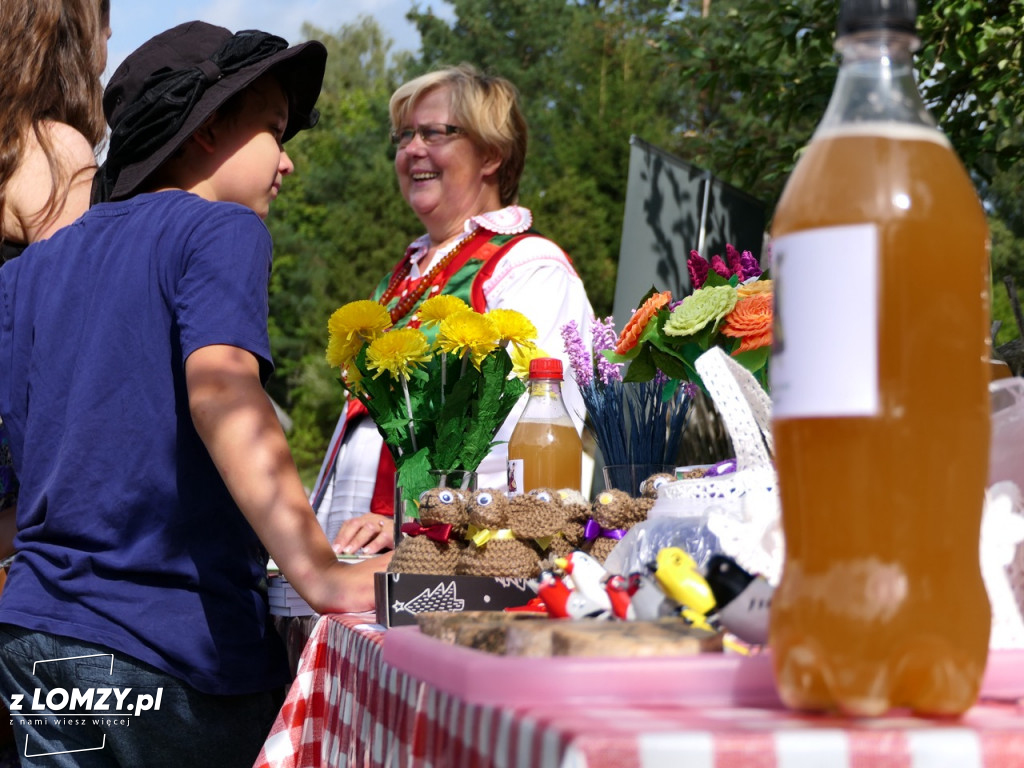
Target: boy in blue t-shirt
x=153, y=470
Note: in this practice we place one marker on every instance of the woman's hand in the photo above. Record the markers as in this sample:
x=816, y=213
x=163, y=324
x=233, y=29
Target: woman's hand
x=370, y=533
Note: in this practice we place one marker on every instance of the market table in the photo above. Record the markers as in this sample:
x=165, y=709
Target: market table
x=349, y=707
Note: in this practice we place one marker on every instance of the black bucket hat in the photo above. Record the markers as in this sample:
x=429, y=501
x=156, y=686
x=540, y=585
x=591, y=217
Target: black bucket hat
x=167, y=88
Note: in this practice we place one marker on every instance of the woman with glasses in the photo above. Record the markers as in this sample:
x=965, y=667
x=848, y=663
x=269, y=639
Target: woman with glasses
x=460, y=147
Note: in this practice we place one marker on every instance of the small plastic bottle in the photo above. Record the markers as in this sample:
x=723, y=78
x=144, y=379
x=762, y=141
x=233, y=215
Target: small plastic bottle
x=545, y=450
x=880, y=395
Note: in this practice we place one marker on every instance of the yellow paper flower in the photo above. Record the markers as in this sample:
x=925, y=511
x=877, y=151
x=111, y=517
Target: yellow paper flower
x=353, y=378
x=521, y=357
x=468, y=333
x=513, y=327
x=342, y=351
x=753, y=288
x=435, y=309
x=350, y=326
x=707, y=305
x=397, y=352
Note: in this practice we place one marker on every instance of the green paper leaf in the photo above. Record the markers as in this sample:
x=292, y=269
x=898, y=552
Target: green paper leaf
x=669, y=364
x=642, y=368
x=754, y=360
x=715, y=279
x=613, y=357
x=498, y=395
x=413, y=478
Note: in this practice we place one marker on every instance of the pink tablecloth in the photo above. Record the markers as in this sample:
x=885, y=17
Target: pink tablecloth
x=347, y=707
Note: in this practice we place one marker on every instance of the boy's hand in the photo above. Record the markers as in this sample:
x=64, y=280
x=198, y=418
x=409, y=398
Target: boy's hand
x=351, y=586
x=370, y=533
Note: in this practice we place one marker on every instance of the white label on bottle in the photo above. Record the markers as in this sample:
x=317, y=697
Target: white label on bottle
x=825, y=344
x=515, y=477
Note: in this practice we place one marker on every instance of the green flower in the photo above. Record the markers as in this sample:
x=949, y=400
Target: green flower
x=707, y=305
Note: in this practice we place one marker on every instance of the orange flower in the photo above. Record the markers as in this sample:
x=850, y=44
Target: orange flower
x=631, y=333
x=753, y=288
x=751, y=322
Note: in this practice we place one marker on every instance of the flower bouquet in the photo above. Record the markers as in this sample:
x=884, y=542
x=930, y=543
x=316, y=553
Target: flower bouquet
x=438, y=395
x=730, y=307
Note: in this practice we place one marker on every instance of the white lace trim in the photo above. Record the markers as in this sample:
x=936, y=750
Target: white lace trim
x=510, y=220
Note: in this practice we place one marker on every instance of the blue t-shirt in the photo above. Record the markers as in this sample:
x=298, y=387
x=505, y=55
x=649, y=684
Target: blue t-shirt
x=127, y=536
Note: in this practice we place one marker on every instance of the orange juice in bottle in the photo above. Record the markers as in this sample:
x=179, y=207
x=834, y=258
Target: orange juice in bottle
x=545, y=450
x=880, y=398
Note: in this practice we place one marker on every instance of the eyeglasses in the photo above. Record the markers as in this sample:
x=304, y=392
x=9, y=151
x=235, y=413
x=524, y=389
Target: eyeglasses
x=430, y=134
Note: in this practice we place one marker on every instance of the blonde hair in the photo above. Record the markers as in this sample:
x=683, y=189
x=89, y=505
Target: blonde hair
x=52, y=55
x=485, y=106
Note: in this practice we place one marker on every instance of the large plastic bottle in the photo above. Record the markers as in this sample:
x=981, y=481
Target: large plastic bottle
x=880, y=399
x=545, y=450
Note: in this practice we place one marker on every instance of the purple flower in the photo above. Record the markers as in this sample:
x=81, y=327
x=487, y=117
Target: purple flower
x=579, y=358
x=697, y=266
x=750, y=266
x=605, y=337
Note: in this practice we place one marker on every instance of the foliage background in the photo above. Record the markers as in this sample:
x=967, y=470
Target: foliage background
x=734, y=86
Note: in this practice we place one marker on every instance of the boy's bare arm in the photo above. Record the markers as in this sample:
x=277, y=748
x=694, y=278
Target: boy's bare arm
x=237, y=423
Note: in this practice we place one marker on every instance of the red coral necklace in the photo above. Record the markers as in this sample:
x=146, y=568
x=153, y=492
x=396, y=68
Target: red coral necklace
x=407, y=302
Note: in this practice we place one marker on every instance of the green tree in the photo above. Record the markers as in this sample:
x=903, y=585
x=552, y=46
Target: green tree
x=338, y=225
x=765, y=70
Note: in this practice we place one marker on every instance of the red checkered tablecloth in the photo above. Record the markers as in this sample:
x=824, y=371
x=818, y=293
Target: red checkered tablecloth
x=349, y=708
x=346, y=707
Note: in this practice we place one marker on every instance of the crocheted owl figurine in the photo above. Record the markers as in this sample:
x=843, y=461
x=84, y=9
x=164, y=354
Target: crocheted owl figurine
x=649, y=487
x=612, y=513
x=433, y=543
x=504, y=533
x=577, y=510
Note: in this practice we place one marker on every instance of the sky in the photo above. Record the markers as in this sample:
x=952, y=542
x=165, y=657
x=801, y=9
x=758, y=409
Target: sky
x=135, y=21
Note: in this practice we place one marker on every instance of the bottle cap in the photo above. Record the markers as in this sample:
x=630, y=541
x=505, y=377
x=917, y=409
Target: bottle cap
x=546, y=368
x=864, y=15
